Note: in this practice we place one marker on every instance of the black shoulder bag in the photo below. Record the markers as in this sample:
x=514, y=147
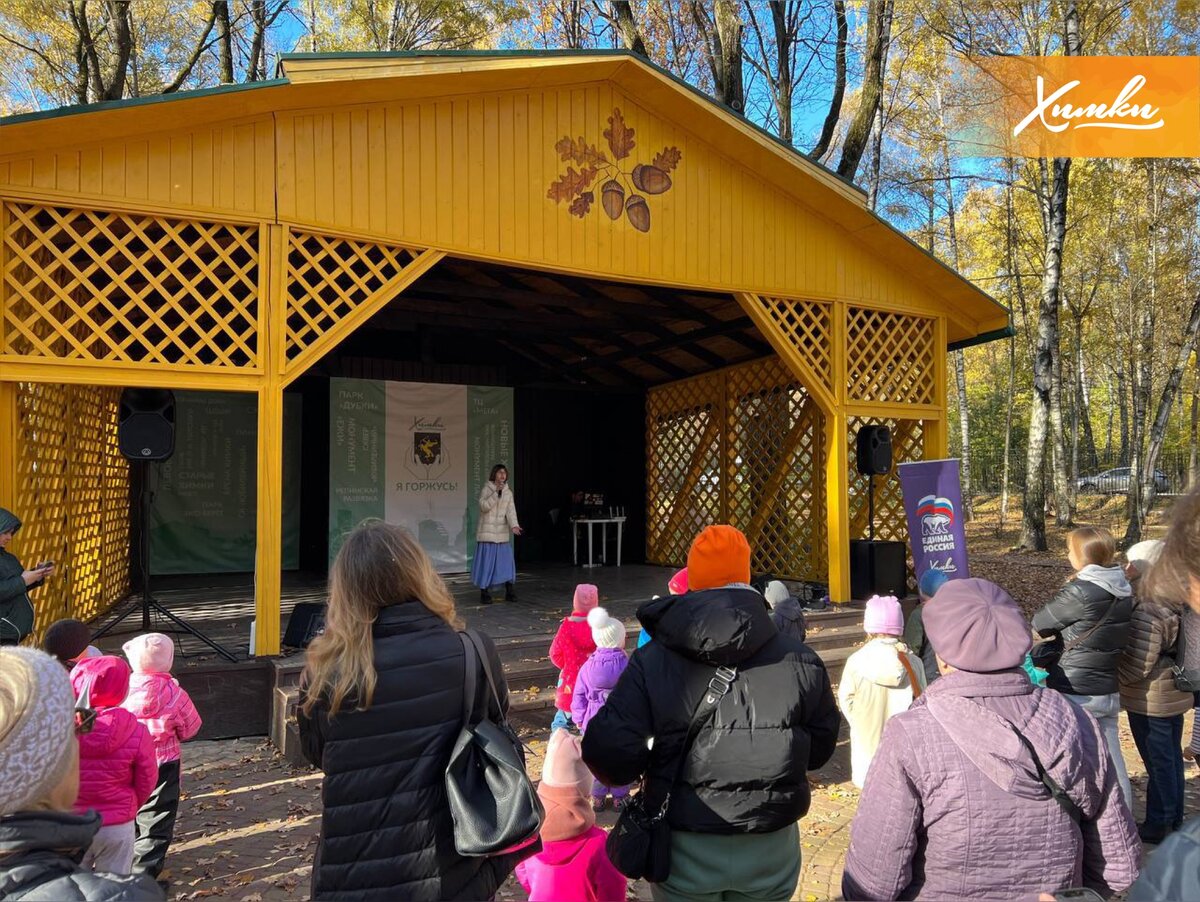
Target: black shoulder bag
x=493, y=804
x=640, y=843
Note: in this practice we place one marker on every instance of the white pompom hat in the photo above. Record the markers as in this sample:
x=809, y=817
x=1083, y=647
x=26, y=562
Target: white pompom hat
x=606, y=632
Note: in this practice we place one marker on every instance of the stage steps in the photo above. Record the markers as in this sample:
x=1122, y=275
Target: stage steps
x=531, y=676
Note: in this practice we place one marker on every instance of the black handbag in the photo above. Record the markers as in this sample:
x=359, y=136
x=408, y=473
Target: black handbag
x=640, y=843
x=493, y=804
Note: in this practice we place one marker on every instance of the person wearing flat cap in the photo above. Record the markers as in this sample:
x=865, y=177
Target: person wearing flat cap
x=974, y=790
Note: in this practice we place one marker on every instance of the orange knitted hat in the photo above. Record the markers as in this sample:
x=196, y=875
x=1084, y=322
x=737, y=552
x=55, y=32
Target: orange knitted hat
x=720, y=555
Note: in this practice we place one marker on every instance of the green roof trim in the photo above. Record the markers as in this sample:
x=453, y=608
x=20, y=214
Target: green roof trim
x=76, y=108
x=995, y=335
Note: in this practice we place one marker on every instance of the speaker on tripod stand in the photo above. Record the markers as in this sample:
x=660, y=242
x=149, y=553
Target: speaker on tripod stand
x=146, y=435
x=876, y=567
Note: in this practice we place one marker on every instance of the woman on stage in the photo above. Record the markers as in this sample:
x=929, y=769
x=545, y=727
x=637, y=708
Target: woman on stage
x=493, y=548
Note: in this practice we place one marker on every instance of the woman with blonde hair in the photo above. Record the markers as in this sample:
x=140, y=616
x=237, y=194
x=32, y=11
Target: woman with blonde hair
x=41, y=839
x=382, y=701
x=1088, y=621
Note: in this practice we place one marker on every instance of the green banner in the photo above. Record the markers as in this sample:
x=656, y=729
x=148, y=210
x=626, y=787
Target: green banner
x=203, y=512
x=415, y=454
x=357, y=449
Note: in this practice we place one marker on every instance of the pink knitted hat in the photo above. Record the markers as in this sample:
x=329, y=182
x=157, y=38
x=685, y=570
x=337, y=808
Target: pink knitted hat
x=678, y=584
x=884, y=616
x=587, y=597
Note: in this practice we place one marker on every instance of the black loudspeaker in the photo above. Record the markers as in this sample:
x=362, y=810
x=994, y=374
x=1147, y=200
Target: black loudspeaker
x=146, y=424
x=305, y=623
x=874, y=450
x=877, y=568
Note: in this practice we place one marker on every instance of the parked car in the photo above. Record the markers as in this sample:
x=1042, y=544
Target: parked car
x=1116, y=482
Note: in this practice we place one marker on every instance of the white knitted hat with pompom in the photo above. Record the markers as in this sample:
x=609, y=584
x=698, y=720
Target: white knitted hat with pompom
x=606, y=632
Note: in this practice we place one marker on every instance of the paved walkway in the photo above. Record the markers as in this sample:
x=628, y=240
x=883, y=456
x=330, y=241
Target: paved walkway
x=249, y=823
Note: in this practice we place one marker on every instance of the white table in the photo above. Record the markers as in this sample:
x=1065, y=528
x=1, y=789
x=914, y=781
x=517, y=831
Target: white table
x=590, y=522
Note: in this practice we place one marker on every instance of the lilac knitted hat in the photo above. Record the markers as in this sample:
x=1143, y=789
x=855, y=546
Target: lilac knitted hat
x=974, y=625
x=884, y=616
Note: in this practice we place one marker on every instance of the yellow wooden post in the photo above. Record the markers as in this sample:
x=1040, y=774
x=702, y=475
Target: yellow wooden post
x=935, y=439
x=837, y=474
x=8, y=441
x=268, y=558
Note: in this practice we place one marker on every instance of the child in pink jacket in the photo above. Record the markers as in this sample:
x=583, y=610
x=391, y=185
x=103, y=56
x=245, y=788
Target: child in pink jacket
x=571, y=647
x=572, y=866
x=158, y=701
x=116, y=762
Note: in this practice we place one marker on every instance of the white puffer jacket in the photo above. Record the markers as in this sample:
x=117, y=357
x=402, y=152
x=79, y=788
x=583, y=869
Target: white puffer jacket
x=498, y=516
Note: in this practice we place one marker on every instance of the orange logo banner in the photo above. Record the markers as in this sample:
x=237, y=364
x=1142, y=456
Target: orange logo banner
x=1098, y=106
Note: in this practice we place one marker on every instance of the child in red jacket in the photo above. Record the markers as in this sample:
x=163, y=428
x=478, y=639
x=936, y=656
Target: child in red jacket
x=116, y=762
x=164, y=707
x=571, y=647
x=572, y=866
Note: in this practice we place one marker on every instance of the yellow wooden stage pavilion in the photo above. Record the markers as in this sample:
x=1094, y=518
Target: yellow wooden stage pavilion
x=228, y=239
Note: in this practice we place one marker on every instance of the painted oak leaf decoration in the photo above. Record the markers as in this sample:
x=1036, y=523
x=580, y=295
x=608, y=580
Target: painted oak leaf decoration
x=624, y=190
x=582, y=204
x=619, y=135
x=579, y=151
x=571, y=183
x=667, y=159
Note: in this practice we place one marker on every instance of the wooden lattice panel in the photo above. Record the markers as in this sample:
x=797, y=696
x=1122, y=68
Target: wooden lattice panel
x=72, y=495
x=807, y=325
x=890, y=521
x=683, y=464
x=774, y=475
x=328, y=278
x=890, y=357
x=103, y=286
x=740, y=446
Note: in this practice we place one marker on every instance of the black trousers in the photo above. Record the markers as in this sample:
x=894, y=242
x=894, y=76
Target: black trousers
x=156, y=822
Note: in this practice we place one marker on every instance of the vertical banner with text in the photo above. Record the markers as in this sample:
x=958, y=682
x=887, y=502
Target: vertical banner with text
x=357, y=445
x=415, y=454
x=933, y=503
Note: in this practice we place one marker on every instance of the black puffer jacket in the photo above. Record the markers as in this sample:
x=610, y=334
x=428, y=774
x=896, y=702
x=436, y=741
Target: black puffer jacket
x=746, y=772
x=386, y=831
x=1091, y=667
x=40, y=853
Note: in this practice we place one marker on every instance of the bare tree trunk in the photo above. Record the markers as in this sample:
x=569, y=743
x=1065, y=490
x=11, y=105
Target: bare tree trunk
x=1194, y=433
x=186, y=69
x=723, y=45
x=1064, y=501
x=626, y=27
x=1143, y=372
x=782, y=17
x=879, y=29
x=122, y=27
x=312, y=26
x=1055, y=184
x=839, y=84
x=875, y=159
x=1123, y=412
x=1158, y=429
x=1083, y=396
x=1008, y=422
x=224, y=40
x=960, y=367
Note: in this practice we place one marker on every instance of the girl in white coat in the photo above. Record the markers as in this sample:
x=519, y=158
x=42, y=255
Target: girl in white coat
x=880, y=679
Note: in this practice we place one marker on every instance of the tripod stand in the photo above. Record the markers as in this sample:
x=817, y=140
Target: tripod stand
x=148, y=602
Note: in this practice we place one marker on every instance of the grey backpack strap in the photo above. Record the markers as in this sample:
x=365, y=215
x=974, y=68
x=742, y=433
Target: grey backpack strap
x=470, y=668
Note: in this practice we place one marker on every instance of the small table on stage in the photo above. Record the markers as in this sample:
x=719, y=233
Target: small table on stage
x=589, y=522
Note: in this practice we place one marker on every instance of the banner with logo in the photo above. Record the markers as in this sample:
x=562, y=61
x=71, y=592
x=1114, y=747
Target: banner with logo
x=933, y=502
x=415, y=454
x=203, y=510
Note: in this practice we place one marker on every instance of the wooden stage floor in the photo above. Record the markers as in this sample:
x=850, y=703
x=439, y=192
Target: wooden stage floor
x=222, y=607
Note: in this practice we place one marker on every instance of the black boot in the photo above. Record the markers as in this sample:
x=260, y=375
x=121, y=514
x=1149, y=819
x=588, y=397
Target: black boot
x=485, y=597
x=510, y=594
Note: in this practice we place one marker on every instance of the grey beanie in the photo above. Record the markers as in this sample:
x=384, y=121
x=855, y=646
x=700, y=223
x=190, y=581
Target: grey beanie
x=37, y=725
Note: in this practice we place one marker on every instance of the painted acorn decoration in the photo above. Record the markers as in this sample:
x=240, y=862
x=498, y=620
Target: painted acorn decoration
x=638, y=212
x=650, y=179
x=612, y=196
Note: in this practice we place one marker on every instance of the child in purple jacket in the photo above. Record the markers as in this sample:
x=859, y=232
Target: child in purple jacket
x=596, y=680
